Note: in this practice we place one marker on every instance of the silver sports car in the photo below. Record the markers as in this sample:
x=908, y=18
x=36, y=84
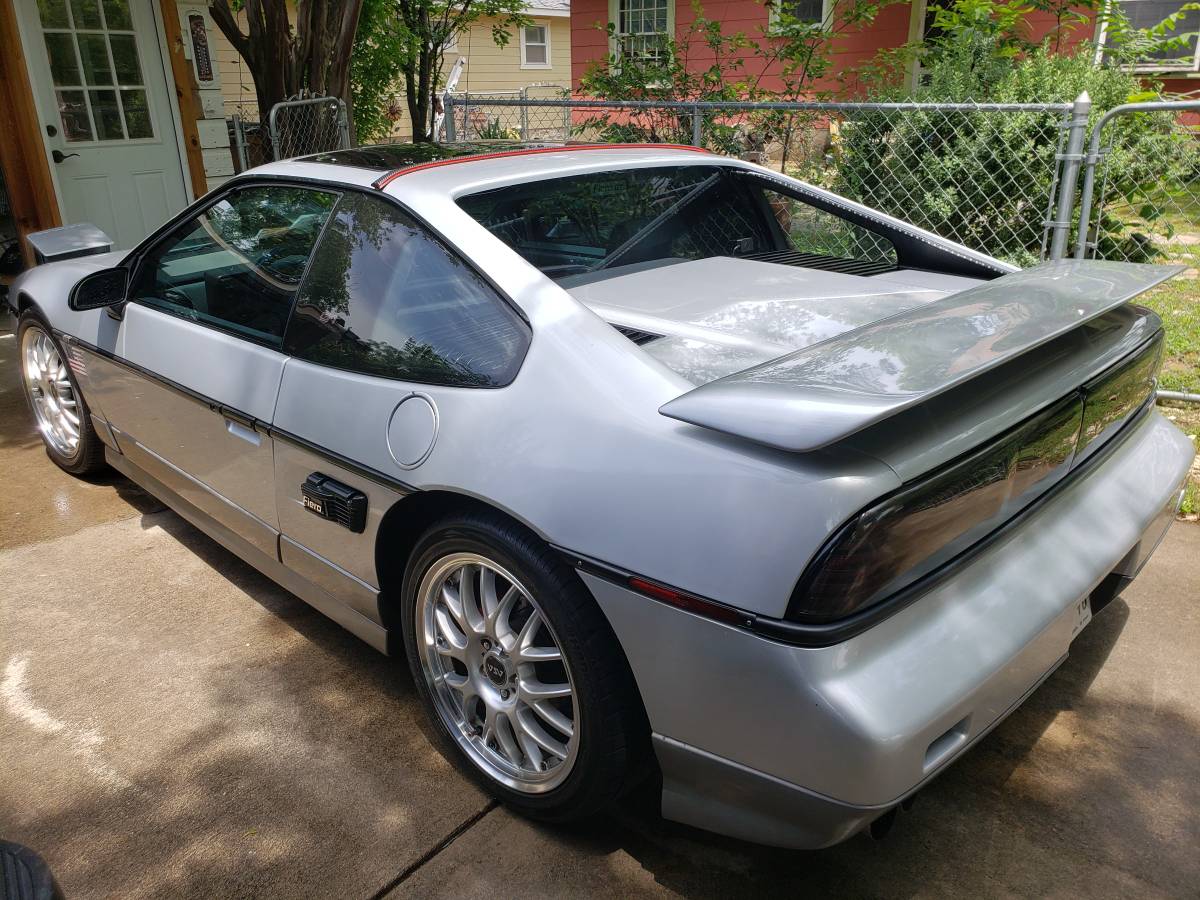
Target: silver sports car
x=647, y=460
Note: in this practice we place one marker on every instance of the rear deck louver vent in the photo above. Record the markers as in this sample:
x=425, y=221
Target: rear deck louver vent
x=638, y=337
x=825, y=263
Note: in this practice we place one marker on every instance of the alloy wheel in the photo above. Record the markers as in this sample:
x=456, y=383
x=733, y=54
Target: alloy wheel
x=499, y=679
x=48, y=384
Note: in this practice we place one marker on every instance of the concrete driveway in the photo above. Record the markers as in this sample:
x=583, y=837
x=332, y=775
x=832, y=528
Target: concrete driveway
x=173, y=724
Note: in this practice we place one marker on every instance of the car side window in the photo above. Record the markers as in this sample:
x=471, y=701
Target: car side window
x=814, y=232
x=384, y=297
x=237, y=265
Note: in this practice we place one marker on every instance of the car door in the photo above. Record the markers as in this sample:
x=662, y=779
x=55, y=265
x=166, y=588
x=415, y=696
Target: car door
x=201, y=340
x=390, y=330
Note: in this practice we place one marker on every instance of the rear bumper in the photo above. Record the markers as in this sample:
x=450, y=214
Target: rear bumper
x=802, y=747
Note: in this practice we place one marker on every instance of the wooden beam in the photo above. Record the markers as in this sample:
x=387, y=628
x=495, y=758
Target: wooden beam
x=185, y=94
x=23, y=158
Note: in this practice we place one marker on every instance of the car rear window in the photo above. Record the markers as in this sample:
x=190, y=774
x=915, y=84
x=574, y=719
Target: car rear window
x=583, y=224
x=385, y=297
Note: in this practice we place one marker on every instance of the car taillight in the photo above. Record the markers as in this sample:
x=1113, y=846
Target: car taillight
x=924, y=525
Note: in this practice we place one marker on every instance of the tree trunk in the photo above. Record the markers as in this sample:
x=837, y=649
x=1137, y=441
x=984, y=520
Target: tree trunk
x=286, y=62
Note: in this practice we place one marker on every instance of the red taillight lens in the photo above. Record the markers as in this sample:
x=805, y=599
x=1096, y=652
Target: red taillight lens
x=924, y=525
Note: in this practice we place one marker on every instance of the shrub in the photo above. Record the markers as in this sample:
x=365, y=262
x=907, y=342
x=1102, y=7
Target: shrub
x=985, y=178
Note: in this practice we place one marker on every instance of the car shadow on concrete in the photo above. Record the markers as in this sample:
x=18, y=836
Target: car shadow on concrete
x=297, y=768
x=1048, y=802
x=1069, y=789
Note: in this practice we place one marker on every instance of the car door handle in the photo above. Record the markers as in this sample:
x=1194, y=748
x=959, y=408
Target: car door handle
x=238, y=430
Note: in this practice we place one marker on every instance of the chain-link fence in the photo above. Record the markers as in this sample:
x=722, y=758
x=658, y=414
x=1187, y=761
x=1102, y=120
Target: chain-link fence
x=250, y=143
x=985, y=175
x=1143, y=206
x=293, y=128
x=477, y=115
x=299, y=127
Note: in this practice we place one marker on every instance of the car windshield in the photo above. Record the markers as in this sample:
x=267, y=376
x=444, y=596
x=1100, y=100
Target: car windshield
x=588, y=224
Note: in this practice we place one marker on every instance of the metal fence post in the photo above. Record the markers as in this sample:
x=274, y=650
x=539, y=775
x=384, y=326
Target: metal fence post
x=343, y=124
x=273, y=129
x=239, y=140
x=1076, y=134
x=448, y=114
x=697, y=132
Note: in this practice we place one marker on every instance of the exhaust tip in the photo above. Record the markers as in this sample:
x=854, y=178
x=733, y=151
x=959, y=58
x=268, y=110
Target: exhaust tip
x=880, y=827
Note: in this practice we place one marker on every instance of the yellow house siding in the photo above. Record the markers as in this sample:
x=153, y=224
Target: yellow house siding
x=488, y=67
x=492, y=68
x=498, y=69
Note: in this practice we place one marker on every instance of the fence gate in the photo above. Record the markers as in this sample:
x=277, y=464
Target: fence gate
x=1143, y=206
x=312, y=125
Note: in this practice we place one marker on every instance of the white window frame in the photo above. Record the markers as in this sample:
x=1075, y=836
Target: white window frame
x=1150, y=66
x=826, y=14
x=614, y=18
x=916, y=33
x=543, y=24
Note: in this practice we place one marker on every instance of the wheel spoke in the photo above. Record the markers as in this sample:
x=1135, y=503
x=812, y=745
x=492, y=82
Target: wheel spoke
x=532, y=691
x=470, y=599
x=530, y=727
x=506, y=737
x=554, y=717
x=533, y=753
x=498, y=621
x=488, y=601
x=528, y=630
x=453, y=604
x=538, y=654
x=452, y=641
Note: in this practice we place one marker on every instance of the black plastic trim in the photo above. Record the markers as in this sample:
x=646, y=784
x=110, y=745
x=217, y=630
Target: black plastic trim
x=245, y=419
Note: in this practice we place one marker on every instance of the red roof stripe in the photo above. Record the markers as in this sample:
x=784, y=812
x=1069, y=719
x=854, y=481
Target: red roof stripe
x=392, y=176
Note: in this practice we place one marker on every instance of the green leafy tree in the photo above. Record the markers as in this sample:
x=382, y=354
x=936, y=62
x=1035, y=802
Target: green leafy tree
x=400, y=45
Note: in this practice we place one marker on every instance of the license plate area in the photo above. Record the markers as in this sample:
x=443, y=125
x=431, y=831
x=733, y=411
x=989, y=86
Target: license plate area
x=1082, y=616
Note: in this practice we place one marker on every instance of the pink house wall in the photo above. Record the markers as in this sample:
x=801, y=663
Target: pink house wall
x=851, y=51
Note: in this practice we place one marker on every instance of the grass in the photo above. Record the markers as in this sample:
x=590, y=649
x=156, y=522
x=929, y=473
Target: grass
x=1178, y=302
x=1187, y=417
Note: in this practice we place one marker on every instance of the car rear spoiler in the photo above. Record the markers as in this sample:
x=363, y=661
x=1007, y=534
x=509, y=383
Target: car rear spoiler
x=824, y=393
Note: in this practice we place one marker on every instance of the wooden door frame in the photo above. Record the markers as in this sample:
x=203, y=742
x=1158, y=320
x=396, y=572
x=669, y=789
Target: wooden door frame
x=32, y=195
x=27, y=176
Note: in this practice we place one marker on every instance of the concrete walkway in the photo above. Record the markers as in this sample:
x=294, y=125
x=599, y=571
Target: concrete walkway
x=173, y=724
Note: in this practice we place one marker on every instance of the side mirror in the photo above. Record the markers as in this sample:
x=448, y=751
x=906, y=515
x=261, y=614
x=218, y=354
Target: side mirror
x=104, y=288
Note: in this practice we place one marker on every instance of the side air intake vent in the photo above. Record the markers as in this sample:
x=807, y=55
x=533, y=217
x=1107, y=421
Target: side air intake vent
x=638, y=337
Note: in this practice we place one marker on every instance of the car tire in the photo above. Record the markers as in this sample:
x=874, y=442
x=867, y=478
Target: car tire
x=78, y=454
x=611, y=737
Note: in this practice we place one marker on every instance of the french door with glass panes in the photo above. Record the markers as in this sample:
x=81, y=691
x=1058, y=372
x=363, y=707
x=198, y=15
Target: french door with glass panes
x=102, y=98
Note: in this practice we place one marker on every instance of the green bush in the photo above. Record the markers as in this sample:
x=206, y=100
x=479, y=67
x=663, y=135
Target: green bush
x=984, y=178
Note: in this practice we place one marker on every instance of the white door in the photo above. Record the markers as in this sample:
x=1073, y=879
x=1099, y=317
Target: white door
x=101, y=91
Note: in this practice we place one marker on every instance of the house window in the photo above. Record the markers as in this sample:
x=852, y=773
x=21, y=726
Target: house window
x=1147, y=14
x=96, y=69
x=643, y=27
x=922, y=30
x=535, y=46
x=814, y=11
